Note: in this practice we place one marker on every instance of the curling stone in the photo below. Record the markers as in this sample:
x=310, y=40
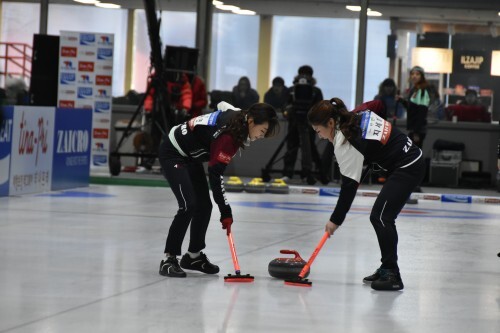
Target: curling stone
x=278, y=186
x=287, y=268
x=256, y=185
x=234, y=184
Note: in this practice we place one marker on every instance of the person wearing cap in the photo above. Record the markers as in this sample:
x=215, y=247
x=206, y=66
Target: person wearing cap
x=416, y=102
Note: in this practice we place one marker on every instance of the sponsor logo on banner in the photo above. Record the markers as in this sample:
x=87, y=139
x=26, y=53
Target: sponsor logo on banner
x=99, y=148
x=87, y=39
x=101, y=133
x=103, y=80
x=103, y=93
x=104, y=68
x=104, y=40
x=33, y=138
x=332, y=192
x=84, y=92
x=68, y=78
x=85, y=79
x=101, y=120
x=72, y=141
x=83, y=104
x=100, y=160
x=67, y=51
x=102, y=107
x=86, y=54
x=67, y=104
x=104, y=54
x=492, y=200
x=68, y=65
x=69, y=39
x=85, y=66
x=369, y=194
x=5, y=150
x=456, y=198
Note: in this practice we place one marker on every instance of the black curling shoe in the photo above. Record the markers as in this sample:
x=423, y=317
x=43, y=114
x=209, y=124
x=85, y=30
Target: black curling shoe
x=170, y=267
x=200, y=263
x=390, y=279
x=373, y=277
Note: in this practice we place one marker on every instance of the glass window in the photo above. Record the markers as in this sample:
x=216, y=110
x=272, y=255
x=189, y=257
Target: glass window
x=330, y=46
x=235, y=48
x=327, y=45
x=94, y=19
x=21, y=20
x=377, y=63
x=177, y=29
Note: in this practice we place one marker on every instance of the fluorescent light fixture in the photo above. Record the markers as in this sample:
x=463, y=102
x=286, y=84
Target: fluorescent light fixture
x=495, y=63
x=87, y=2
x=432, y=60
x=358, y=9
x=354, y=8
x=244, y=12
x=215, y=2
x=227, y=7
x=107, y=5
x=373, y=13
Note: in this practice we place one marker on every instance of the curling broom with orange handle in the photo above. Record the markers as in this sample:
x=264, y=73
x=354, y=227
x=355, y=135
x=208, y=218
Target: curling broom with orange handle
x=300, y=281
x=238, y=277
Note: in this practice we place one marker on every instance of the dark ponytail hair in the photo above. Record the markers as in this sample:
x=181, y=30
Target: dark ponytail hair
x=261, y=113
x=347, y=122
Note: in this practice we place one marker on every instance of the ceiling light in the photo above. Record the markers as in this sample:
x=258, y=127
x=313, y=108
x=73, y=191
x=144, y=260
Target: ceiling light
x=227, y=7
x=215, y=2
x=373, y=13
x=244, y=12
x=354, y=8
x=87, y=2
x=107, y=5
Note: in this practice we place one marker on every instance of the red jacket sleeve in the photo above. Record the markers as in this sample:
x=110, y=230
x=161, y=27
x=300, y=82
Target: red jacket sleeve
x=222, y=151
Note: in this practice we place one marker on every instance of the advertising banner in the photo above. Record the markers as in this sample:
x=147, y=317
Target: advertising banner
x=32, y=150
x=71, y=164
x=85, y=82
x=5, y=149
x=471, y=62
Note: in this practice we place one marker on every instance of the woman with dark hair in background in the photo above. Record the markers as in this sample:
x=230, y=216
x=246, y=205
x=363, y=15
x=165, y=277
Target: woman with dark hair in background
x=387, y=92
x=417, y=102
x=366, y=137
x=214, y=137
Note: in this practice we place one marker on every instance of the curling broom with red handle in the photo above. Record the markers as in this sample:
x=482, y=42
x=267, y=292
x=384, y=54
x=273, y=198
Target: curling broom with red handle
x=300, y=281
x=237, y=277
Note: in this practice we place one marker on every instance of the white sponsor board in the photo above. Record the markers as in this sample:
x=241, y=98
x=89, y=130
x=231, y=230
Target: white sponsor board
x=32, y=147
x=85, y=82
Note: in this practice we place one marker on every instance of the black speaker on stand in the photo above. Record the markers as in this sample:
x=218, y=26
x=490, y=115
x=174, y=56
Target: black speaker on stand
x=44, y=70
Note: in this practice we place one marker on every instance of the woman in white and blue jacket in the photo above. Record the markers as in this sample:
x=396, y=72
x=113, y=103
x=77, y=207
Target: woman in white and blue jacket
x=360, y=138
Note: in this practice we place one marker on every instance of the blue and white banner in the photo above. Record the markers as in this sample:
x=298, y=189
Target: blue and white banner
x=5, y=149
x=72, y=138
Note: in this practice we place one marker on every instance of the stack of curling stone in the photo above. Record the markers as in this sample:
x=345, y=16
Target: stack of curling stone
x=278, y=186
x=256, y=185
x=287, y=268
x=234, y=184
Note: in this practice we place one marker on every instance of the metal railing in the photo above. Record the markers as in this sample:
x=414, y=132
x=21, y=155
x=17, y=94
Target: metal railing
x=16, y=58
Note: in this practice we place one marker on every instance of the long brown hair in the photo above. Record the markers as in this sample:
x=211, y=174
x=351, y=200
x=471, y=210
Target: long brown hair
x=261, y=113
x=335, y=109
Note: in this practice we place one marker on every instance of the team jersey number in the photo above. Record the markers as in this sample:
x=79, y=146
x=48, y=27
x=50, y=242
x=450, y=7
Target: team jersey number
x=375, y=128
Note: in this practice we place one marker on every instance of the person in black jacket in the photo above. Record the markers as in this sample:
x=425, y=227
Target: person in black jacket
x=417, y=102
x=364, y=137
x=277, y=95
x=215, y=137
x=244, y=95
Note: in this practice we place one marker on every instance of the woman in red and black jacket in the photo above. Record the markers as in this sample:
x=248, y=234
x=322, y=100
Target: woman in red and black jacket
x=214, y=138
x=365, y=137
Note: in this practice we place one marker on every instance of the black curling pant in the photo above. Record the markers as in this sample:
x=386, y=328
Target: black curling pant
x=389, y=203
x=189, y=184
